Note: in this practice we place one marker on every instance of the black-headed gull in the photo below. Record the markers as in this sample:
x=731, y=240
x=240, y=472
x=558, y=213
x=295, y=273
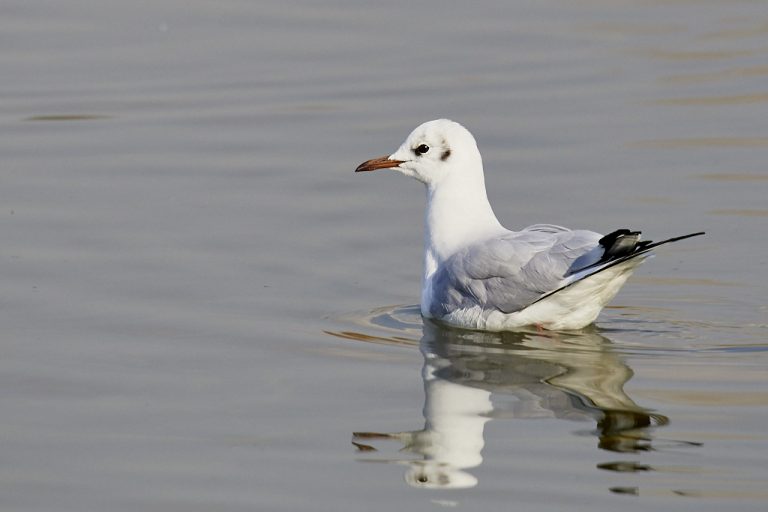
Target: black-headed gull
x=480, y=275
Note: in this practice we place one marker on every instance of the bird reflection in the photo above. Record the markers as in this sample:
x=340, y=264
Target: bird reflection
x=530, y=375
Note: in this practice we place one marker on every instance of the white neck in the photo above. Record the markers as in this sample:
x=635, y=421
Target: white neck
x=458, y=214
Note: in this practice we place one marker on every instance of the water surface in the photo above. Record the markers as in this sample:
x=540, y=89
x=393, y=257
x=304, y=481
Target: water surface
x=203, y=307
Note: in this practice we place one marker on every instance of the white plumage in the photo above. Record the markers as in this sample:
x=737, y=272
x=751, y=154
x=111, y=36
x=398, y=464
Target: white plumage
x=480, y=275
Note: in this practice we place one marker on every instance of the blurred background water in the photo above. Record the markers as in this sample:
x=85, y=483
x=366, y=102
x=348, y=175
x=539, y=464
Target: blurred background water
x=203, y=307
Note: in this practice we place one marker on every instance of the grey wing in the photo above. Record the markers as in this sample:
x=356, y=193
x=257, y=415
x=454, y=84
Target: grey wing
x=511, y=272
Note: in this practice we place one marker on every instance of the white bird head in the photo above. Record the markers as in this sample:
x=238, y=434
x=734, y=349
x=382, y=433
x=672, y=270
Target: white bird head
x=436, y=151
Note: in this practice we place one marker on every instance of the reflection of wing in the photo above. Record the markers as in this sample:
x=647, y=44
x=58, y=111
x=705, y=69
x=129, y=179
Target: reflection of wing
x=568, y=376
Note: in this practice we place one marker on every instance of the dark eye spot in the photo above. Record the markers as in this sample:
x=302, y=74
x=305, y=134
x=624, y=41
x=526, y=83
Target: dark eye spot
x=445, y=155
x=421, y=149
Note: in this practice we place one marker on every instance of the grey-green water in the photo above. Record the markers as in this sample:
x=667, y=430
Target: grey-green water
x=204, y=308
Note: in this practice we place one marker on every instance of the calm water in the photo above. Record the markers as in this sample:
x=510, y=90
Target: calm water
x=203, y=308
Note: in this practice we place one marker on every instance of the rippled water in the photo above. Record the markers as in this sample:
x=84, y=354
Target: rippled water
x=197, y=293
x=592, y=382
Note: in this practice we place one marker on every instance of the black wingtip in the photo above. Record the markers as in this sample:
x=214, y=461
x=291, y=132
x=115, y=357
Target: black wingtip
x=642, y=247
x=624, y=244
x=621, y=242
x=651, y=245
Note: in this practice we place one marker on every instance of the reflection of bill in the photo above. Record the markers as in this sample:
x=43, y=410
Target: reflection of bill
x=568, y=376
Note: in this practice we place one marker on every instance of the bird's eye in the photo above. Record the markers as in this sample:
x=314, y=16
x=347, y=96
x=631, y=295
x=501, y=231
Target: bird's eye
x=421, y=149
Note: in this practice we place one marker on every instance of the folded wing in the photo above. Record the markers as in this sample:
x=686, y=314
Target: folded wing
x=512, y=271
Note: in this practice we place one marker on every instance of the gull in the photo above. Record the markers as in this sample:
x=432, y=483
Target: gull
x=479, y=275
